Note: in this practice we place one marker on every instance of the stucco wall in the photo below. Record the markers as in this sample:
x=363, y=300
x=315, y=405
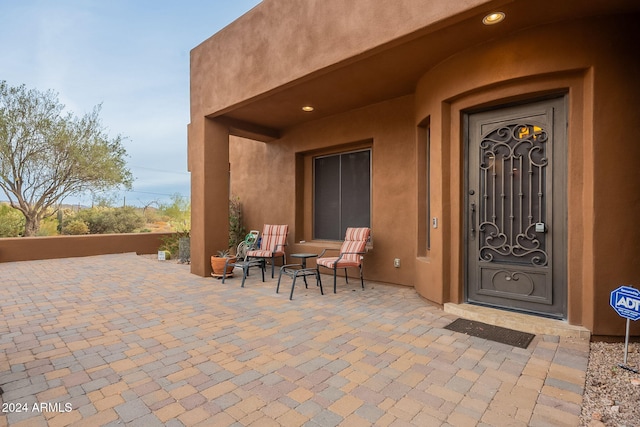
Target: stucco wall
x=316, y=36
x=590, y=60
x=34, y=248
x=603, y=181
x=270, y=197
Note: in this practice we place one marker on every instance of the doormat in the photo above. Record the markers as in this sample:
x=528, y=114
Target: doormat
x=490, y=332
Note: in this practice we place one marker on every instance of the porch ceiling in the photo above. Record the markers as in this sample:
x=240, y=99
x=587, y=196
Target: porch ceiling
x=394, y=69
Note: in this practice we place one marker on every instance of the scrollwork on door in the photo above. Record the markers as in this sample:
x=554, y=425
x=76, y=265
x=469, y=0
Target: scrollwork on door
x=513, y=168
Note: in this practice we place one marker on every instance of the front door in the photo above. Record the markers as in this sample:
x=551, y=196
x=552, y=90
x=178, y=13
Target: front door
x=516, y=207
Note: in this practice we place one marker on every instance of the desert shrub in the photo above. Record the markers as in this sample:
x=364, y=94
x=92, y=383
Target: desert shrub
x=171, y=243
x=76, y=227
x=178, y=212
x=102, y=220
x=11, y=221
x=48, y=227
x=128, y=220
x=151, y=215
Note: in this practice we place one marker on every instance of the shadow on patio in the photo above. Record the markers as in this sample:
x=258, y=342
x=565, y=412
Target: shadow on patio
x=125, y=339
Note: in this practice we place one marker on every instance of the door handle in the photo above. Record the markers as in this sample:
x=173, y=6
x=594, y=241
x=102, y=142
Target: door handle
x=473, y=221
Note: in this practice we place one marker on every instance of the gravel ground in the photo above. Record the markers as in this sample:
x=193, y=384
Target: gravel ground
x=612, y=393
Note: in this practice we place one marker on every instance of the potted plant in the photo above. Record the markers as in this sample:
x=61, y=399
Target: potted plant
x=218, y=262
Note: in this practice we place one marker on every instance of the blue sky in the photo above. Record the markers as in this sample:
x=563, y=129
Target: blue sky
x=131, y=56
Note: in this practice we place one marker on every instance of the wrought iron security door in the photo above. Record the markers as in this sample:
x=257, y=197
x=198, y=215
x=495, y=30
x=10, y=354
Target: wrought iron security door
x=511, y=208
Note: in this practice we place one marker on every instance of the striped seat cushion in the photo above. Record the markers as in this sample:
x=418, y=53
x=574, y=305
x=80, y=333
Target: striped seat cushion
x=274, y=239
x=329, y=262
x=355, y=242
x=354, y=245
x=262, y=254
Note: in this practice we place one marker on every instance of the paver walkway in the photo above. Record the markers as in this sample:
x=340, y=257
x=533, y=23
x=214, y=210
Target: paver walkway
x=127, y=340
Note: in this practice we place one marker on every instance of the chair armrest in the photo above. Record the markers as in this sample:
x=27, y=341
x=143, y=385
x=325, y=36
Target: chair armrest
x=350, y=253
x=276, y=248
x=325, y=250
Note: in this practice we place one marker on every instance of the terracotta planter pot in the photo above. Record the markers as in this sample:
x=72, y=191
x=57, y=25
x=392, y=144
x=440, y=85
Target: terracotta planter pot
x=217, y=265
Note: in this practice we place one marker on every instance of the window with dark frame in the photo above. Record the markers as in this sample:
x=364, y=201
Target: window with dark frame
x=428, y=184
x=342, y=193
x=424, y=188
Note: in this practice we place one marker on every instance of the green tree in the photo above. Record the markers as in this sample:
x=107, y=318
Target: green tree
x=47, y=155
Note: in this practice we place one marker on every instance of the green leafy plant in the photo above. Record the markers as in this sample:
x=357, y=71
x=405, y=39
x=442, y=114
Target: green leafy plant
x=171, y=243
x=11, y=221
x=48, y=227
x=236, y=228
x=224, y=253
x=178, y=213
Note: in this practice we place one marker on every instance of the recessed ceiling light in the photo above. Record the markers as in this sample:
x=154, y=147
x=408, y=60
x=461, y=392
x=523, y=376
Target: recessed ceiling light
x=493, y=18
x=307, y=108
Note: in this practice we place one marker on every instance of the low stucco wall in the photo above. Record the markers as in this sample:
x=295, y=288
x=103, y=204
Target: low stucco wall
x=34, y=248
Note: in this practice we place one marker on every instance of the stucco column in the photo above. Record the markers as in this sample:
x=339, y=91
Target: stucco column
x=209, y=166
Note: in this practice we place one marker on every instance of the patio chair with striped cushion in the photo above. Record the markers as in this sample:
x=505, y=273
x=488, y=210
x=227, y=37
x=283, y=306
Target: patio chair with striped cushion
x=274, y=239
x=351, y=253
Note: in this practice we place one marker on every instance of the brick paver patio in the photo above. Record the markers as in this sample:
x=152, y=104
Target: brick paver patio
x=127, y=340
